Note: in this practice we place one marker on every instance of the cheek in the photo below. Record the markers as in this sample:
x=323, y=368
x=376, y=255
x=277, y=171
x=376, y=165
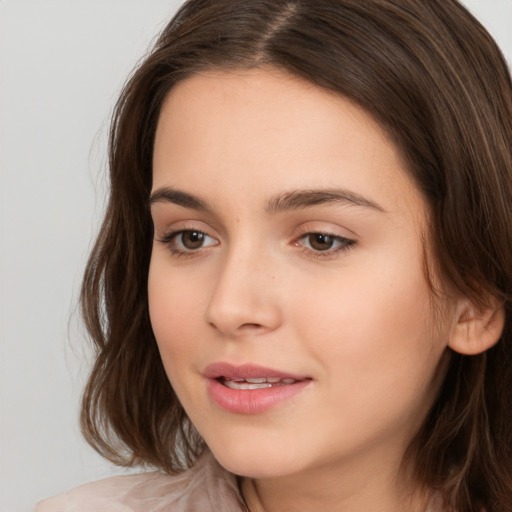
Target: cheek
x=375, y=328
x=174, y=307
x=376, y=357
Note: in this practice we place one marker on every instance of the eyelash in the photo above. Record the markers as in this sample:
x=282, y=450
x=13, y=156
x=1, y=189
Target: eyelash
x=169, y=240
x=345, y=244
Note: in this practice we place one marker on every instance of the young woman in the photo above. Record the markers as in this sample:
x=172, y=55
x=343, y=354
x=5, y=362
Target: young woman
x=300, y=295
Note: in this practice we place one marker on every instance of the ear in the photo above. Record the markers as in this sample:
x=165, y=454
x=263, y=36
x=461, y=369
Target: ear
x=476, y=329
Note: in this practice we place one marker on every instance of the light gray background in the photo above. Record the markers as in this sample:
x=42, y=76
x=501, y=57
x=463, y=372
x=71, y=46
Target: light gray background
x=62, y=63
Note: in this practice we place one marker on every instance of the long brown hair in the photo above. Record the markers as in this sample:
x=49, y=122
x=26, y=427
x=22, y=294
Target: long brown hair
x=431, y=75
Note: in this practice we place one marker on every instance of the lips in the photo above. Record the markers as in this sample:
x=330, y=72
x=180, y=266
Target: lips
x=251, y=389
x=246, y=371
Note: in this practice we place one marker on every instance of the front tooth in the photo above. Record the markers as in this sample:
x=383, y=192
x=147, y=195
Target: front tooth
x=246, y=385
x=258, y=381
x=273, y=380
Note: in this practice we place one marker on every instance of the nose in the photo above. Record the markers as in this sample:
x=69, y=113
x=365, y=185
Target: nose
x=244, y=299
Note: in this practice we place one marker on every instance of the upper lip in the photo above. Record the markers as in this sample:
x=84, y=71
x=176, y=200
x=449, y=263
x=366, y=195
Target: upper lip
x=246, y=371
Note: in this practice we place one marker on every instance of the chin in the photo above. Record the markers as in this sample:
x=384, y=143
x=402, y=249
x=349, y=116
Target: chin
x=253, y=461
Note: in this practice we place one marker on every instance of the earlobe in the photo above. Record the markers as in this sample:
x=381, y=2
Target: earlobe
x=477, y=329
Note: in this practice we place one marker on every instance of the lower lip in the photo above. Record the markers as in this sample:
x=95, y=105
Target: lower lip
x=252, y=401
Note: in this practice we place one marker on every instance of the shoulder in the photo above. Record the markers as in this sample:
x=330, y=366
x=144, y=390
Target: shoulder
x=207, y=487
x=115, y=493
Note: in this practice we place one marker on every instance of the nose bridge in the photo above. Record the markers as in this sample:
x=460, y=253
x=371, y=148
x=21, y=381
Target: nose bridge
x=243, y=297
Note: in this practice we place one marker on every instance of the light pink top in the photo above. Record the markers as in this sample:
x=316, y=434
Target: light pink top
x=207, y=487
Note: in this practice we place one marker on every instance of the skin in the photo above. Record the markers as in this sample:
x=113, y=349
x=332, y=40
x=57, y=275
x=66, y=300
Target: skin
x=356, y=318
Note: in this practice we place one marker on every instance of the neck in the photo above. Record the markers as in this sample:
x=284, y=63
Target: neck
x=349, y=489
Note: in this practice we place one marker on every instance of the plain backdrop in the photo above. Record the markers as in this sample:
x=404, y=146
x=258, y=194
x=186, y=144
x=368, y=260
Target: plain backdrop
x=62, y=64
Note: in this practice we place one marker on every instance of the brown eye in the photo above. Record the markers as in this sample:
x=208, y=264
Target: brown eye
x=324, y=244
x=187, y=242
x=192, y=239
x=320, y=241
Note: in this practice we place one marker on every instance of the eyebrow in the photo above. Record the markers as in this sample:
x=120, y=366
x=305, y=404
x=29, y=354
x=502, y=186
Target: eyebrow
x=300, y=199
x=293, y=200
x=170, y=195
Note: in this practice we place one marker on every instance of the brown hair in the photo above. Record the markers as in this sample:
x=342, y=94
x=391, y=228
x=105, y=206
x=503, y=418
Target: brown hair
x=432, y=76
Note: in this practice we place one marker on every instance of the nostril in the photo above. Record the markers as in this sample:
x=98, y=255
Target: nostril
x=245, y=326
x=233, y=313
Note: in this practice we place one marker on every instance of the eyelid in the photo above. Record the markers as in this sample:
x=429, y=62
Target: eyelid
x=342, y=243
x=325, y=228
x=169, y=238
x=345, y=243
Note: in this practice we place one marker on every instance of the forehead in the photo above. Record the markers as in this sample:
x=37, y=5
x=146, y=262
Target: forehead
x=255, y=132
x=232, y=106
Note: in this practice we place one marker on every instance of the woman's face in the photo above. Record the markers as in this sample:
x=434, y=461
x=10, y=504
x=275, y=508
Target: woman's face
x=288, y=251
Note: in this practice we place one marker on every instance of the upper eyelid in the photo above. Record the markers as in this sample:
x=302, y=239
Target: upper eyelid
x=172, y=233
x=311, y=226
x=199, y=208
x=167, y=225
x=299, y=233
x=325, y=233
x=341, y=238
x=328, y=228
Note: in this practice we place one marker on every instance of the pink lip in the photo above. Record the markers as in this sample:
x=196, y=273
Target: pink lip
x=246, y=371
x=253, y=401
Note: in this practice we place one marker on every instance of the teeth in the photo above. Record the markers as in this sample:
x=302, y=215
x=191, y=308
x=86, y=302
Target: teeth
x=256, y=383
x=246, y=385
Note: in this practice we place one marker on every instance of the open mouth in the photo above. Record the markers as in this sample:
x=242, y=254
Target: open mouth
x=251, y=389
x=255, y=383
